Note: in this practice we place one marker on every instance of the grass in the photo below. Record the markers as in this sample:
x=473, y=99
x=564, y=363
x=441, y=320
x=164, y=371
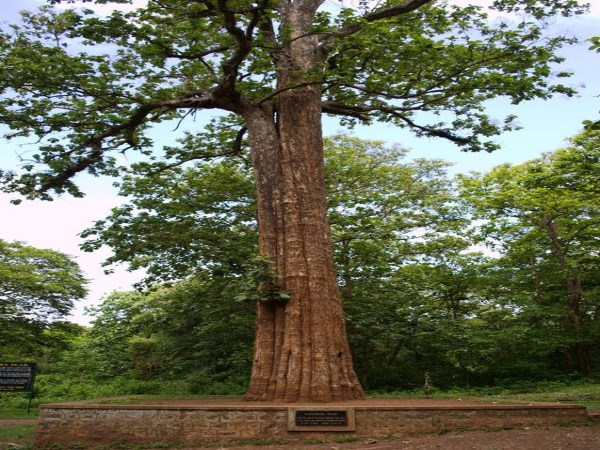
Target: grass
x=587, y=395
x=581, y=393
x=132, y=399
x=13, y=412
x=21, y=435
x=347, y=438
x=243, y=442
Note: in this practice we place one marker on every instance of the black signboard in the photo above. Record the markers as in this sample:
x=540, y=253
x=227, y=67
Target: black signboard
x=17, y=376
x=321, y=418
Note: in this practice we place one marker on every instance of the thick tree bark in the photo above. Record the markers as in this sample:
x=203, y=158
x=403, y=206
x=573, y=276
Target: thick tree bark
x=301, y=349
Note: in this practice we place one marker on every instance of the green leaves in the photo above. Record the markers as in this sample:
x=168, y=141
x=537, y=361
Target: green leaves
x=40, y=285
x=38, y=288
x=541, y=8
x=188, y=332
x=260, y=282
x=446, y=63
x=182, y=220
x=544, y=217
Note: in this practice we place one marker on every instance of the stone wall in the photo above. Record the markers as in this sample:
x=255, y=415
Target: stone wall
x=101, y=424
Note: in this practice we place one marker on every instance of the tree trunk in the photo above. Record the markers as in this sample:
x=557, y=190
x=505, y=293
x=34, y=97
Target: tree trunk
x=301, y=349
x=574, y=296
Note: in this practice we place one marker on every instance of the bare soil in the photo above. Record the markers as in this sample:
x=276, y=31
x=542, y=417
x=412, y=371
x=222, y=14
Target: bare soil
x=547, y=438
x=11, y=422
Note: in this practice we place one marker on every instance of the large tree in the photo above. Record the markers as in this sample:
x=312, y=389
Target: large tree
x=274, y=67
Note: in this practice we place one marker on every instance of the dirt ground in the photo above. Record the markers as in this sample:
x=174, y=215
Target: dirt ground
x=547, y=438
x=553, y=438
x=10, y=422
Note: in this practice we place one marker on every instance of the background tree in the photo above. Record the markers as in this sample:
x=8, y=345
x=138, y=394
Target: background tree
x=275, y=67
x=384, y=211
x=183, y=221
x=38, y=288
x=545, y=214
x=193, y=332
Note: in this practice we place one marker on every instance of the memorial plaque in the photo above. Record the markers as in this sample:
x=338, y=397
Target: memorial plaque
x=321, y=419
x=16, y=376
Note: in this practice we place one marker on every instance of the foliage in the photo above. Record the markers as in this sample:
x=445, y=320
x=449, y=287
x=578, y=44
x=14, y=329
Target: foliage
x=383, y=210
x=37, y=288
x=544, y=216
x=416, y=300
x=193, y=333
x=90, y=87
x=261, y=282
x=183, y=220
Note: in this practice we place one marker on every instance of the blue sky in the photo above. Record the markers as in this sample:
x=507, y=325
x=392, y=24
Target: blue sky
x=546, y=125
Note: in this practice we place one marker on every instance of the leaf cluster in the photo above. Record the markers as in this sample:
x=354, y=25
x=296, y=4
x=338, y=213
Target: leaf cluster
x=261, y=282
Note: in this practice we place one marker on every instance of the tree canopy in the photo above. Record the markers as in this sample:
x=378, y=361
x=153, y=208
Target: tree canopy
x=37, y=287
x=90, y=87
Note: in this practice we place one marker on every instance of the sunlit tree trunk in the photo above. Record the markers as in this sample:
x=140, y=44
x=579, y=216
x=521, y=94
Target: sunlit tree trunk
x=301, y=349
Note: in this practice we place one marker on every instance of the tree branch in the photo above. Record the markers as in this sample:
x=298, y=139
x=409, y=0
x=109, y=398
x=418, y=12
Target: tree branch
x=361, y=113
x=287, y=88
x=340, y=109
x=127, y=129
x=243, y=39
x=380, y=14
x=393, y=11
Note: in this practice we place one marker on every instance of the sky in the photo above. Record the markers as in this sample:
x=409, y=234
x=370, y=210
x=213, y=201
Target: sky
x=545, y=127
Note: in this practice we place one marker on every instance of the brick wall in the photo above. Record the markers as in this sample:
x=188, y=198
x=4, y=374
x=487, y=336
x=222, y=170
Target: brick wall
x=101, y=424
